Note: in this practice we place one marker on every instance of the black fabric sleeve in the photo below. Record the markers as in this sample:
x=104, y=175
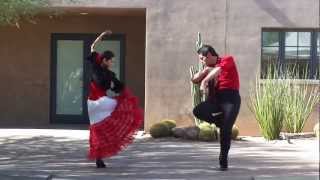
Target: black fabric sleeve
x=92, y=57
x=101, y=79
x=118, y=86
x=98, y=75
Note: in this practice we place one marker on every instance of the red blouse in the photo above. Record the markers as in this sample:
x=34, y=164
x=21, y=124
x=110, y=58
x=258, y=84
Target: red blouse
x=228, y=77
x=95, y=92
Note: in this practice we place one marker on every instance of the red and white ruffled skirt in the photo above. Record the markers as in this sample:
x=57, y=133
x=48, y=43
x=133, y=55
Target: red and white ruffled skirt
x=113, y=124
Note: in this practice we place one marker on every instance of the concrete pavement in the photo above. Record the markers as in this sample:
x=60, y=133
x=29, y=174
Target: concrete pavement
x=61, y=154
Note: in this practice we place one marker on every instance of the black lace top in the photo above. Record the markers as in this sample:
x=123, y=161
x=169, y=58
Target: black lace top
x=103, y=77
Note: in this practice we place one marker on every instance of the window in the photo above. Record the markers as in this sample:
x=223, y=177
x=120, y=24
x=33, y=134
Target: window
x=291, y=49
x=270, y=50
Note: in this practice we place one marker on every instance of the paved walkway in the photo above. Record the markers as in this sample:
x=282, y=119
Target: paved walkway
x=61, y=154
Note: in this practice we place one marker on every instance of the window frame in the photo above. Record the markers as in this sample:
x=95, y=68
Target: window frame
x=313, y=63
x=87, y=39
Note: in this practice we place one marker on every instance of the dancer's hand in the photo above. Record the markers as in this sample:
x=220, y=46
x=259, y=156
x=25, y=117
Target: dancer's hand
x=204, y=85
x=197, y=78
x=104, y=33
x=204, y=89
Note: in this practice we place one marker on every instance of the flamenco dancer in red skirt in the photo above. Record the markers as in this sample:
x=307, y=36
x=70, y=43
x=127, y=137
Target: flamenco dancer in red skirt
x=113, y=120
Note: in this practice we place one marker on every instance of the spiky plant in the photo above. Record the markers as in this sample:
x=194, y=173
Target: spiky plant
x=197, y=96
x=267, y=102
x=300, y=100
x=280, y=100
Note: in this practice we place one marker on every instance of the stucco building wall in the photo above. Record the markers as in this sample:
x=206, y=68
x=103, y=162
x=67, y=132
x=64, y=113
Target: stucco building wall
x=171, y=26
x=25, y=62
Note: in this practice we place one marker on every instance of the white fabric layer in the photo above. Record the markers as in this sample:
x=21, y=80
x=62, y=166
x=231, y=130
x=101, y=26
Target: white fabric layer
x=100, y=109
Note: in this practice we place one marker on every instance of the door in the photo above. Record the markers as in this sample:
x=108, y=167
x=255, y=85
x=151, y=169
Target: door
x=70, y=73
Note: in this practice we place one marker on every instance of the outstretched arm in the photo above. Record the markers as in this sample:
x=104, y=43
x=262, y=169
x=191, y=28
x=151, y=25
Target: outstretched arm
x=106, y=32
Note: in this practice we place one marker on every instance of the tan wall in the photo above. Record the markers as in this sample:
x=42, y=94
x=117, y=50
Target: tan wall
x=25, y=62
x=231, y=26
x=244, y=23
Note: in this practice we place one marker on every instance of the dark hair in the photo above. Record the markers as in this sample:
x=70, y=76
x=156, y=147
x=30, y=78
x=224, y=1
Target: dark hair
x=205, y=49
x=107, y=54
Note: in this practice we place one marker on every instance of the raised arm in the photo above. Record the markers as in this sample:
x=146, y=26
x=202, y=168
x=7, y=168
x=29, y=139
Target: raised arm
x=107, y=32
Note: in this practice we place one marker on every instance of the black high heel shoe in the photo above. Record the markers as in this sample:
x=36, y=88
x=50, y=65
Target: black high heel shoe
x=223, y=161
x=100, y=163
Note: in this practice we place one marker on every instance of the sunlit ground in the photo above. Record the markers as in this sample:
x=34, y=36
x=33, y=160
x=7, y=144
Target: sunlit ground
x=38, y=153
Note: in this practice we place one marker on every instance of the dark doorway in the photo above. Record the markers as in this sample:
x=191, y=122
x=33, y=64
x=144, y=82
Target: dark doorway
x=70, y=73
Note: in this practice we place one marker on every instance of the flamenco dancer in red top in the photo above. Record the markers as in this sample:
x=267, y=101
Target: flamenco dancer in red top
x=113, y=120
x=220, y=75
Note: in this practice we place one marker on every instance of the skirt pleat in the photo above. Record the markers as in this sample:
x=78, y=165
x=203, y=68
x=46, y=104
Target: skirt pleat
x=111, y=135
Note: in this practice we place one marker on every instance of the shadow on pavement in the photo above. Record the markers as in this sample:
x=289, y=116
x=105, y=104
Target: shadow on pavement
x=65, y=158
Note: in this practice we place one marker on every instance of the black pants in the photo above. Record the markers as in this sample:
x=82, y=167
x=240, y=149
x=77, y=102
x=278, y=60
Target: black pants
x=225, y=101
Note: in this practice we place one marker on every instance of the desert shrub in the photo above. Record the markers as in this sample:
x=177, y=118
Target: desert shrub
x=170, y=123
x=162, y=128
x=207, y=132
x=158, y=130
x=267, y=102
x=281, y=100
x=235, y=132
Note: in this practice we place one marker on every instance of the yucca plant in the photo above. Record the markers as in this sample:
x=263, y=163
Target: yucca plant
x=300, y=100
x=197, y=96
x=267, y=101
x=279, y=100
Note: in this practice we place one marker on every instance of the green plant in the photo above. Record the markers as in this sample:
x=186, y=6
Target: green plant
x=169, y=123
x=11, y=12
x=197, y=96
x=14, y=11
x=207, y=132
x=280, y=99
x=235, y=132
x=300, y=100
x=158, y=130
x=162, y=128
x=267, y=102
